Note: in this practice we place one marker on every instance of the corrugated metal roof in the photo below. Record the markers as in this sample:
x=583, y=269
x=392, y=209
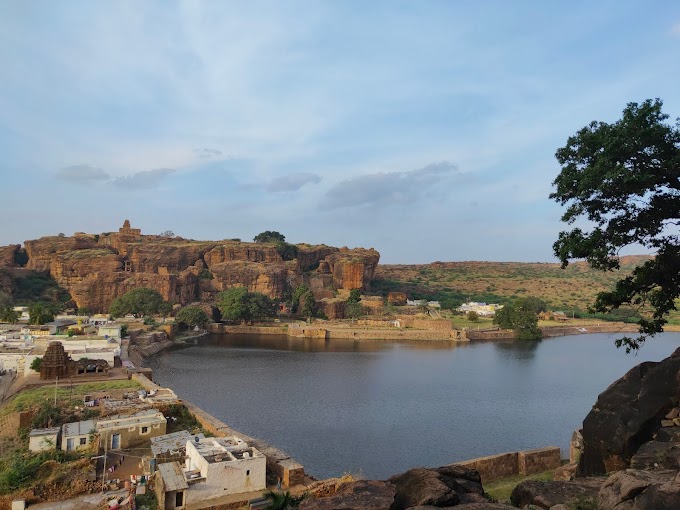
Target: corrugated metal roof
x=78, y=428
x=172, y=475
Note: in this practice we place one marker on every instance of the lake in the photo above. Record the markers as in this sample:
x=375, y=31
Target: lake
x=380, y=408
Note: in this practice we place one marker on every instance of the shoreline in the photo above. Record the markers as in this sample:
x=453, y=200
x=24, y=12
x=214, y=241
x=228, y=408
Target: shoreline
x=333, y=332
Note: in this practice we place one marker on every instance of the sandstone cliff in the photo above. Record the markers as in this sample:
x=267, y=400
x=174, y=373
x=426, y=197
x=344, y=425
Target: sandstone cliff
x=95, y=269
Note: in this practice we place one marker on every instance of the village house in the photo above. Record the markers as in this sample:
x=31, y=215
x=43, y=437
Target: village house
x=172, y=447
x=122, y=432
x=480, y=308
x=40, y=440
x=214, y=467
x=111, y=330
x=77, y=435
x=60, y=326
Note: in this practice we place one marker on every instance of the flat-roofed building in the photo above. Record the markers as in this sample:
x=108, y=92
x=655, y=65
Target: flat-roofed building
x=40, y=440
x=125, y=431
x=77, y=435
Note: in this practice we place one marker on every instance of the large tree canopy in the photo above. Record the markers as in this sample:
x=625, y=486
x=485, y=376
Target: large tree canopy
x=520, y=315
x=238, y=304
x=140, y=302
x=623, y=179
x=269, y=236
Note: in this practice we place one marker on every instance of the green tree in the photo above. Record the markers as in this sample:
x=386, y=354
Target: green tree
x=624, y=179
x=140, y=302
x=307, y=305
x=5, y=299
x=238, y=304
x=269, y=236
x=231, y=303
x=521, y=317
x=286, y=250
x=36, y=364
x=192, y=316
x=353, y=310
x=354, y=296
x=472, y=316
x=7, y=314
x=299, y=292
x=280, y=500
x=40, y=313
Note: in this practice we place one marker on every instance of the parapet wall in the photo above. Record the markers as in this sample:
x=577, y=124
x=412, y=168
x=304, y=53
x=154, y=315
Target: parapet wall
x=528, y=462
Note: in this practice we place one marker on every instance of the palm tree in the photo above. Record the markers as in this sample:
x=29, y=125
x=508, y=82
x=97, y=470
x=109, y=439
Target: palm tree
x=279, y=500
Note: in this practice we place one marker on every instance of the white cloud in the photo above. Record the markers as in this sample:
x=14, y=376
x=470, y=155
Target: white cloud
x=148, y=179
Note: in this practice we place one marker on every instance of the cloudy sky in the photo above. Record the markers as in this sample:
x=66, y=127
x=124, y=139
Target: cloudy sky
x=425, y=129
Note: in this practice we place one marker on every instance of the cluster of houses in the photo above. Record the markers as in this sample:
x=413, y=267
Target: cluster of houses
x=480, y=308
x=83, y=338
x=185, y=467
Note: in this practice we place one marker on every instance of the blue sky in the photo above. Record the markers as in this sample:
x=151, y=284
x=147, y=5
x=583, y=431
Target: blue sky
x=424, y=129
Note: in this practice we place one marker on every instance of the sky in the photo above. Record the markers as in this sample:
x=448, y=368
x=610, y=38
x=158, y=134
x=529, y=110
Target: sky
x=424, y=129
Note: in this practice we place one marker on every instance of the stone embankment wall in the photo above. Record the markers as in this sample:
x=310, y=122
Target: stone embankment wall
x=248, y=330
x=528, y=462
x=10, y=424
x=330, y=333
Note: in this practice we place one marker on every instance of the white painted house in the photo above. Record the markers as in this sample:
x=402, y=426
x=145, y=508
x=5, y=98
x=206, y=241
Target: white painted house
x=76, y=435
x=219, y=466
x=40, y=440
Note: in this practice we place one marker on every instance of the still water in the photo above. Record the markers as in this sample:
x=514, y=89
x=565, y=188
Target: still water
x=380, y=408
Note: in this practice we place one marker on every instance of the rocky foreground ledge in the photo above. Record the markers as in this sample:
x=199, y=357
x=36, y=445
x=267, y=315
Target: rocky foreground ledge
x=630, y=460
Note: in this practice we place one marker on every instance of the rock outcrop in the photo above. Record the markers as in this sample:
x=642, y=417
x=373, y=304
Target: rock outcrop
x=420, y=488
x=95, y=269
x=633, y=489
x=628, y=414
x=545, y=495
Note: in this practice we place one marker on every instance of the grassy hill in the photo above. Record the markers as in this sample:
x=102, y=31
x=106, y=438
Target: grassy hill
x=570, y=289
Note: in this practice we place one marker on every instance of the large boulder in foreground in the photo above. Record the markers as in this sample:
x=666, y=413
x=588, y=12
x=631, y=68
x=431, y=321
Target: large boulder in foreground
x=543, y=494
x=634, y=489
x=441, y=487
x=628, y=414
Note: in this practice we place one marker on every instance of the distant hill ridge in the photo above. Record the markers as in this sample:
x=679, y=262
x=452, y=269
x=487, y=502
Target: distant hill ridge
x=96, y=268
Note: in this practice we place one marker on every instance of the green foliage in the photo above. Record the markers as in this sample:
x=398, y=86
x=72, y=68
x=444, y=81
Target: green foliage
x=124, y=331
x=70, y=333
x=624, y=179
x=354, y=296
x=353, y=310
x=205, y=274
x=22, y=469
x=280, y=500
x=5, y=299
x=307, y=305
x=180, y=418
x=192, y=316
x=36, y=286
x=20, y=258
x=269, y=236
x=47, y=415
x=237, y=304
x=472, y=316
x=286, y=250
x=140, y=302
x=36, y=364
x=521, y=317
x=85, y=311
x=147, y=501
x=41, y=313
x=295, y=300
x=7, y=314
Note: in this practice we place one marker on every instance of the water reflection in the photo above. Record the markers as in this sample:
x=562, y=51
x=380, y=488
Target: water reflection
x=520, y=350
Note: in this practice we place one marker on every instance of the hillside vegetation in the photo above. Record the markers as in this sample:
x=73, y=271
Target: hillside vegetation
x=571, y=289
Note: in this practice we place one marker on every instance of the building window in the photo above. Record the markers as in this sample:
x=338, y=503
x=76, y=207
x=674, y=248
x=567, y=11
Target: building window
x=248, y=472
x=145, y=430
x=83, y=441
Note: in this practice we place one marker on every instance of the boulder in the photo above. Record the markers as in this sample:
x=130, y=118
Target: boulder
x=634, y=489
x=657, y=455
x=440, y=487
x=360, y=495
x=548, y=494
x=671, y=434
x=566, y=472
x=628, y=414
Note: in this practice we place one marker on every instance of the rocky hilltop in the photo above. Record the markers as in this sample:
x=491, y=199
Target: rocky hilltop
x=95, y=269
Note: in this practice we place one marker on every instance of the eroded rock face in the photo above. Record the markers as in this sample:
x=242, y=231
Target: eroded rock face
x=634, y=489
x=548, y=494
x=628, y=414
x=97, y=269
x=360, y=495
x=7, y=255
